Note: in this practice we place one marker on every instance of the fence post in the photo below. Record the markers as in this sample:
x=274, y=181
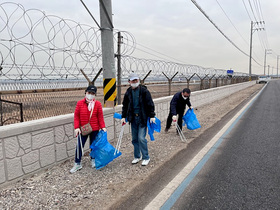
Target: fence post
x=21, y=112
x=210, y=80
x=1, y=112
x=188, y=80
x=201, y=81
x=170, y=80
x=218, y=80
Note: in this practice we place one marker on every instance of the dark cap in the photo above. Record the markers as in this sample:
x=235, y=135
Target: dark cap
x=186, y=90
x=91, y=89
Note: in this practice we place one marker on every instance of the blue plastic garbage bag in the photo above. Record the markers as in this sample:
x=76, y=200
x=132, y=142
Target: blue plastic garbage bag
x=102, y=150
x=190, y=120
x=117, y=115
x=153, y=127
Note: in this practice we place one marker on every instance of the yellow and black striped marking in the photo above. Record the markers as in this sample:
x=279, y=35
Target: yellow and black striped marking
x=110, y=92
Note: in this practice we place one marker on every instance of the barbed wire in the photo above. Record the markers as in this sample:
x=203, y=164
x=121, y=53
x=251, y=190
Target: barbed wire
x=36, y=46
x=39, y=46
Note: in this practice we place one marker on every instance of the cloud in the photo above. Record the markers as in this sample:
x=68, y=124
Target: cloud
x=178, y=29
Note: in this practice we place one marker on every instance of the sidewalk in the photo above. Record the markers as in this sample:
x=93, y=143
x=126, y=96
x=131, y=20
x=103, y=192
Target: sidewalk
x=56, y=188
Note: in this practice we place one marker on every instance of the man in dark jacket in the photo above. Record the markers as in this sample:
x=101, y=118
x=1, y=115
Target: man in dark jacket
x=138, y=106
x=177, y=107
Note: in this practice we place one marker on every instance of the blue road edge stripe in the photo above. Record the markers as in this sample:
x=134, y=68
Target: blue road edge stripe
x=182, y=187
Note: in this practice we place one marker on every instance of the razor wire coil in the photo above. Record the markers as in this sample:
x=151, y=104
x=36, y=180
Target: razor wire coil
x=36, y=46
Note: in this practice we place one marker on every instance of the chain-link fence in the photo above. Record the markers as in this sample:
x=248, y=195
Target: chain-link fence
x=31, y=106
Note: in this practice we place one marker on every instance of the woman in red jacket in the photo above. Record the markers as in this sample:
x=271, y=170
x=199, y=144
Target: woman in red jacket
x=82, y=114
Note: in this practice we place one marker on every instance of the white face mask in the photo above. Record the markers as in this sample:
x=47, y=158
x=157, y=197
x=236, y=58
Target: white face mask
x=90, y=97
x=185, y=98
x=134, y=85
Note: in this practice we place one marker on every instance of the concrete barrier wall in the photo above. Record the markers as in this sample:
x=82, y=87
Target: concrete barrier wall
x=28, y=147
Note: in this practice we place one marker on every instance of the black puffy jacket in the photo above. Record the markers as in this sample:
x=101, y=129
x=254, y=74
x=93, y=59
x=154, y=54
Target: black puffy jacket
x=178, y=104
x=147, y=107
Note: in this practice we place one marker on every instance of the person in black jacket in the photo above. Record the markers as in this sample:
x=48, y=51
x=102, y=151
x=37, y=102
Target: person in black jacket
x=177, y=107
x=138, y=105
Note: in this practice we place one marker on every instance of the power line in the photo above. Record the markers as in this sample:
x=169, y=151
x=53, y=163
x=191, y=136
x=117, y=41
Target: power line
x=232, y=22
x=263, y=38
x=252, y=10
x=202, y=11
x=257, y=9
x=137, y=44
x=246, y=10
x=235, y=27
x=260, y=8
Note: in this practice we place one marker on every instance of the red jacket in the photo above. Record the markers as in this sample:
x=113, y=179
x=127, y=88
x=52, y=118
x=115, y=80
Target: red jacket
x=81, y=115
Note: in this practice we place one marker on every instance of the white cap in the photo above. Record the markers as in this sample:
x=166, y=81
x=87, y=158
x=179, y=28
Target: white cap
x=133, y=76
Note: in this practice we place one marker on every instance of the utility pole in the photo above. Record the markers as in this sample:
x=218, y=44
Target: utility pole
x=266, y=51
x=268, y=69
x=277, y=65
x=253, y=29
x=119, y=89
x=108, y=61
x=250, y=60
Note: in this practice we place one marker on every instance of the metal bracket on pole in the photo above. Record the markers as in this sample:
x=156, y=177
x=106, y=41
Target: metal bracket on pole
x=143, y=80
x=89, y=82
x=93, y=81
x=96, y=76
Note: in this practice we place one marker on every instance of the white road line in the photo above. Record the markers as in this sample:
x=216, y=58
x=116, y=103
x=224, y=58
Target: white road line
x=164, y=195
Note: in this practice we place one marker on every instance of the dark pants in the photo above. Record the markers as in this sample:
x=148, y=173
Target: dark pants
x=92, y=136
x=169, y=120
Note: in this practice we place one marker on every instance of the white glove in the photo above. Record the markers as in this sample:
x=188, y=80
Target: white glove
x=174, y=118
x=104, y=129
x=123, y=121
x=153, y=120
x=190, y=107
x=77, y=132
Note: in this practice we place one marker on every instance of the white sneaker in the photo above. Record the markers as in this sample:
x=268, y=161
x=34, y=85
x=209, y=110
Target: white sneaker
x=136, y=160
x=145, y=162
x=75, y=168
x=93, y=163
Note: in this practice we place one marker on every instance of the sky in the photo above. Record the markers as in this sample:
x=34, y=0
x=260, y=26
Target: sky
x=177, y=30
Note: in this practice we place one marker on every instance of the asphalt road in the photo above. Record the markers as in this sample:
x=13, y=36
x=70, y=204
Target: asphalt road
x=244, y=171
